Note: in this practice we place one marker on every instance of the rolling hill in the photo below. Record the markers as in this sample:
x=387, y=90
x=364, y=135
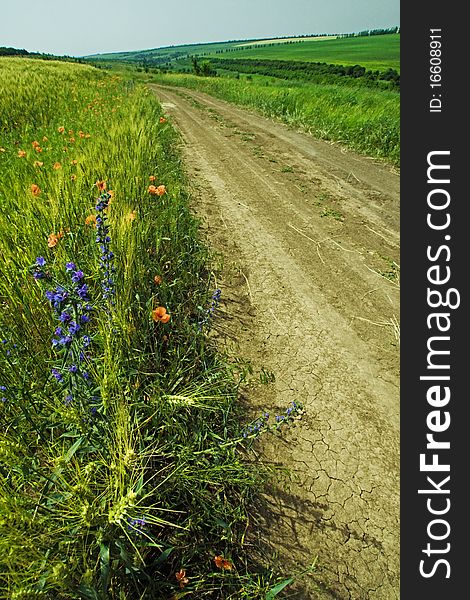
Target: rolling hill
x=371, y=51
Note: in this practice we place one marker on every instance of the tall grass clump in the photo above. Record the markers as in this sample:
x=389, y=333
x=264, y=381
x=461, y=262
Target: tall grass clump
x=122, y=473
x=363, y=119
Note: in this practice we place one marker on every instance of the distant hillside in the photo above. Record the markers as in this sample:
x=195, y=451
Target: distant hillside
x=370, y=49
x=373, y=52
x=158, y=56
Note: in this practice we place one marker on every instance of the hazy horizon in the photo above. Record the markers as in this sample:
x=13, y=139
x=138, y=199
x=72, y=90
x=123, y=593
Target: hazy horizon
x=111, y=26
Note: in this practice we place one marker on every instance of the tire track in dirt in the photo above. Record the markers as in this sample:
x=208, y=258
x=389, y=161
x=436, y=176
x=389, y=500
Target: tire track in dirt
x=309, y=235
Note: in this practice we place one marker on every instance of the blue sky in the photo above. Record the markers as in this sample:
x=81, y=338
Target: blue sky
x=89, y=26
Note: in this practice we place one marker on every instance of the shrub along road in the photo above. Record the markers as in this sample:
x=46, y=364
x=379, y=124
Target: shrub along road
x=310, y=289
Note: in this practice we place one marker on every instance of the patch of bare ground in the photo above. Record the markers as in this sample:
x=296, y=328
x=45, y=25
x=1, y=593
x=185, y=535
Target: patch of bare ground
x=310, y=240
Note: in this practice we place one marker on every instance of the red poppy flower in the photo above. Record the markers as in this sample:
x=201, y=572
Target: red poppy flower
x=181, y=578
x=35, y=190
x=160, y=314
x=223, y=563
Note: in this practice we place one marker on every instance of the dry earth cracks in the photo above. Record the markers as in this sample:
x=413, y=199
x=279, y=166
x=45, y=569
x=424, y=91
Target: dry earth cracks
x=310, y=239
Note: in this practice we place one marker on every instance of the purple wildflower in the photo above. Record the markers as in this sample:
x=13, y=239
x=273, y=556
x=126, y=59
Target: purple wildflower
x=74, y=328
x=82, y=291
x=77, y=276
x=136, y=526
x=57, y=374
x=103, y=240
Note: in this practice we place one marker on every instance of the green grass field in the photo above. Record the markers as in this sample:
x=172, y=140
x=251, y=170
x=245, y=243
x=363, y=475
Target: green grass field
x=373, y=52
x=123, y=462
x=366, y=120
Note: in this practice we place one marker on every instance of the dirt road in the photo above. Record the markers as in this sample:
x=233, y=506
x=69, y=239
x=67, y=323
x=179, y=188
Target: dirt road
x=310, y=238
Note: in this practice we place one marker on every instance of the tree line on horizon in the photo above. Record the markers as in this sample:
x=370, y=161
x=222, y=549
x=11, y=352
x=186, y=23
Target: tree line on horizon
x=8, y=51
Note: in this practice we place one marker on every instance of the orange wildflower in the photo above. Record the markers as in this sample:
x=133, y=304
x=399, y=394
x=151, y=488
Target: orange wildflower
x=160, y=314
x=21, y=153
x=35, y=190
x=35, y=144
x=52, y=240
x=152, y=178
x=132, y=215
x=61, y=129
x=162, y=120
x=91, y=220
x=56, y=166
x=72, y=140
x=157, y=279
x=74, y=162
x=38, y=148
x=181, y=578
x=223, y=563
x=157, y=191
x=70, y=131
x=101, y=185
x=73, y=177
x=81, y=134
x=38, y=163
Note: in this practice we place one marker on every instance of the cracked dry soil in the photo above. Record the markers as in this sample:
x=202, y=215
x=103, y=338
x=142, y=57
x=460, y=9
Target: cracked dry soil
x=310, y=238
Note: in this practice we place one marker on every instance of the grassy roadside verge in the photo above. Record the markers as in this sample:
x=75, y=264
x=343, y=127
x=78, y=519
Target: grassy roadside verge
x=122, y=469
x=365, y=120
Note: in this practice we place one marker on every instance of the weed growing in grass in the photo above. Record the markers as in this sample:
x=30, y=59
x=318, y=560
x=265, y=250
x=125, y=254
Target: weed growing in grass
x=209, y=313
x=72, y=308
x=104, y=241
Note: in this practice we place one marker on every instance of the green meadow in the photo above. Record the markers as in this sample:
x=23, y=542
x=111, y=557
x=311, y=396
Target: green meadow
x=364, y=119
x=375, y=52
x=379, y=52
